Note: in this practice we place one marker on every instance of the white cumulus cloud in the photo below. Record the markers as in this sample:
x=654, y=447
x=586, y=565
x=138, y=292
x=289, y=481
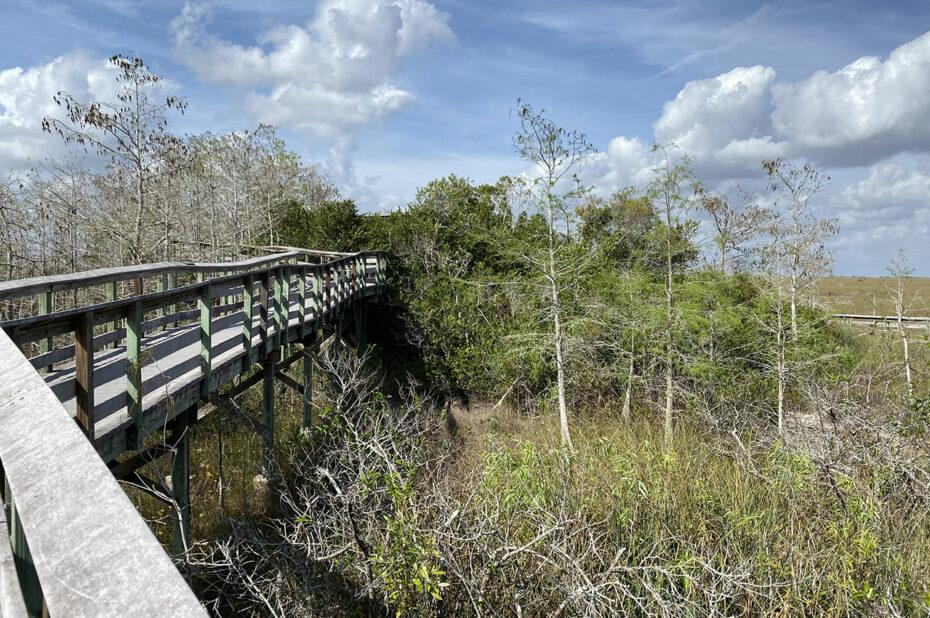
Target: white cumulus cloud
x=327, y=78
x=26, y=97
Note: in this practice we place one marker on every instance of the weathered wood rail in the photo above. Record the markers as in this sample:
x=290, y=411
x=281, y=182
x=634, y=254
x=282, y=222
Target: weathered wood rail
x=133, y=372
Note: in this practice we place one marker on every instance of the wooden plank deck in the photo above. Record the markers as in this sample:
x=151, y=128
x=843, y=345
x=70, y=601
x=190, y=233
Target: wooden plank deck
x=171, y=371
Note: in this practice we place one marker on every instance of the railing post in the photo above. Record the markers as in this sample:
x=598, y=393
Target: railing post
x=161, y=285
x=302, y=301
x=84, y=372
x=354, y=275
x=265, y=318
x=25, y=569
x=248, y=289
x=327, y=294
x=316, y=288
x=111, y=297
x=206, y=341
x=45, y=308
x=134, y=372
x=281, y=306
x=173, y=283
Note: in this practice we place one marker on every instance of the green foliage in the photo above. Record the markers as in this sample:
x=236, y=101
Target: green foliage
x=329, y=226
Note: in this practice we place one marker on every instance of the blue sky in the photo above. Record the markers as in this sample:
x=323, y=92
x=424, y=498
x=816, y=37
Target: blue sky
x=389, y=94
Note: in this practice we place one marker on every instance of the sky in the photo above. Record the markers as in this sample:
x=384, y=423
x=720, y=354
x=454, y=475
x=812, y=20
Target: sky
x=387, y=95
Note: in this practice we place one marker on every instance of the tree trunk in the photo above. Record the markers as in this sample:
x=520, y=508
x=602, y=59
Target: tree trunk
x=628, y=396
x=557, y=323
x=669, y=315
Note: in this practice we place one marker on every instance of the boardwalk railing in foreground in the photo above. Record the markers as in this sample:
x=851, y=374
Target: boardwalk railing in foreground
x=133, y=368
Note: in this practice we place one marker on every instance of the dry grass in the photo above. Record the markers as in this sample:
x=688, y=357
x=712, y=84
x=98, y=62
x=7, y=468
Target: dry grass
x=872, y=295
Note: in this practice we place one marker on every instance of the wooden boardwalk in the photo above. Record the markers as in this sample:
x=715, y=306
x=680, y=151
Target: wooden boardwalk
x=134, y=373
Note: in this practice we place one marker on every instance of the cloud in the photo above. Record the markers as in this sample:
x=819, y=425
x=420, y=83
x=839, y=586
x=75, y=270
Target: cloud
x=327, y=79
x=865, y=112
x=26, y=98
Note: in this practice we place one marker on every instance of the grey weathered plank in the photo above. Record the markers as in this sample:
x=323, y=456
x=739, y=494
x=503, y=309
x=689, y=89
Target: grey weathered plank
x=93, y=553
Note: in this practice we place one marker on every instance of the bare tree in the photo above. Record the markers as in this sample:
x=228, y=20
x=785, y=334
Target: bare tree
x=554, y=152
x=132, y=132
x=901, y=271
x=808, y=257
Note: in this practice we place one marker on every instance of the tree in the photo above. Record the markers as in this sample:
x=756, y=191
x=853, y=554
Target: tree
x=808, y=258
x=737, y=221
x=132, y=132
x=901, y=270
x=554, y=153
x=672, y=188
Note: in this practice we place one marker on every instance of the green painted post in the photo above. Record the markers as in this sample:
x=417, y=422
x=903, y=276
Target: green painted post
x=284, y=304
x=162, y=284
x=248, y=289
x=173, y=283
x=302, y=302
x=45, y=308
x=308, y=390
x=265, y=316
x=206, y=341
x=361, y=325
x=111, y=297
x=268, y=414
x=134, y=372
x=181, y=493
x=22, y=558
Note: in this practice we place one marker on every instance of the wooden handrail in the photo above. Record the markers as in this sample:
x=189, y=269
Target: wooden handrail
x=92, y=552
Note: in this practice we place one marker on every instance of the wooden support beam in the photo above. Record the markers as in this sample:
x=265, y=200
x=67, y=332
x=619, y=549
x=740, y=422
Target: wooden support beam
x=308, y=390
x=268, y=371
x=248, y=289
x=360, y=309
x=180, y=492
x=84, y=373
x=290, y=382
x=122, y=469
x=206, y=341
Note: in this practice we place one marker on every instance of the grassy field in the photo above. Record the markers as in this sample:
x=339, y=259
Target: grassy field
x=873, y=295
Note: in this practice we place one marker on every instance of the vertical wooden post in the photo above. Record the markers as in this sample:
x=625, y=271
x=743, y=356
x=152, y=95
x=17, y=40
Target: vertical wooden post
x=134, y=373
x=84, y=372
x=137, y=283
x=111, y=297
x=283, y=304
x=361, y=325
x=173, y=283
x=308, y=389
x=268, y=413
x=327, y=293
x=265, y=318
x=22, y=558
x=162, y=284
x=45, y=308
x=302, y=302
x=206, y=341
x=248, y=288
x=180, y=491
x=354, y=275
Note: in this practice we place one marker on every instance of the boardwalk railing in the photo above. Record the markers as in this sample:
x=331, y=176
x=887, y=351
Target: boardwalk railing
x=124, y=369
